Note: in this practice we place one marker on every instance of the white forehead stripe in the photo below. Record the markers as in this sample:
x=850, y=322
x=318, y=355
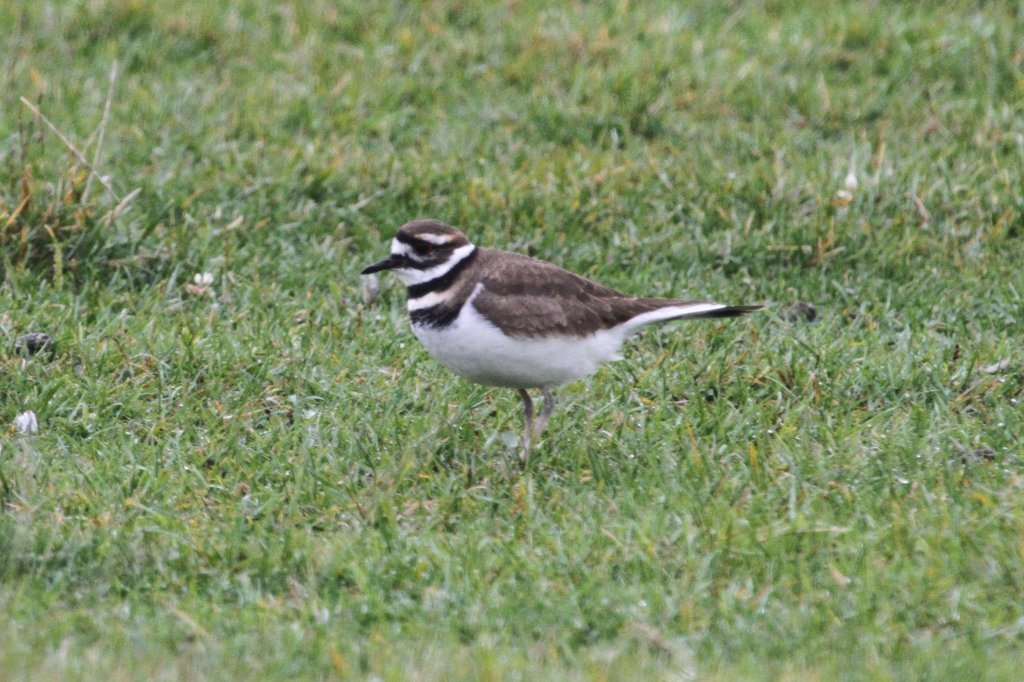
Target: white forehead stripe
x=400, y=248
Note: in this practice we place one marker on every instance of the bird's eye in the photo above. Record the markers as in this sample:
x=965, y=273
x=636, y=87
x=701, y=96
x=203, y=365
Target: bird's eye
x=423, y=248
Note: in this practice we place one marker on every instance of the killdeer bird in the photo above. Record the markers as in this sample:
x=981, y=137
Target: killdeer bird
x=503, y=319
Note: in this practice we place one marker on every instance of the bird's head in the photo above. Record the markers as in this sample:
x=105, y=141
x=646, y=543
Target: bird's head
x=423, y=250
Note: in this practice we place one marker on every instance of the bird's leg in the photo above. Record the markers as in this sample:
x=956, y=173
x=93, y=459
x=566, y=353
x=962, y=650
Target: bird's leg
x=528, y=431
x=545, y=411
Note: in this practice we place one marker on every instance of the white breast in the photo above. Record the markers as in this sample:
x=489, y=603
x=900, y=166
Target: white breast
x=477, y=350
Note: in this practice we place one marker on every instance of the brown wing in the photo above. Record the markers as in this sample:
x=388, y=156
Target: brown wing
x=525, y=297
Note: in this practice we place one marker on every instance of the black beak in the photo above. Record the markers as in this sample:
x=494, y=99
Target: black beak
x=388, y=263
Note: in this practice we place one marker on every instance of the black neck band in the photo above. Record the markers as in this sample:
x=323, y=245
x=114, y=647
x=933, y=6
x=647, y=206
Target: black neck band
x=444, y=281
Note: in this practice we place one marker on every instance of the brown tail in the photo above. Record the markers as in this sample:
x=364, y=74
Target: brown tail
x=729, y=311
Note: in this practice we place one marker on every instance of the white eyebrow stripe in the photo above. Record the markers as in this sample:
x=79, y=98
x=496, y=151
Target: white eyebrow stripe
x=436, y=239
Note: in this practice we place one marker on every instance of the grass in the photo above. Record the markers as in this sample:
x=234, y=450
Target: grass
x=267, y=476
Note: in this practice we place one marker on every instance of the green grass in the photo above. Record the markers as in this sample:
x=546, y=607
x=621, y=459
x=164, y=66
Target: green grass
x=274, y=480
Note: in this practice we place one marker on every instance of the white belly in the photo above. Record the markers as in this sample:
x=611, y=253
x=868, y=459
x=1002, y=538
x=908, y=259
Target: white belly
x=476, y=350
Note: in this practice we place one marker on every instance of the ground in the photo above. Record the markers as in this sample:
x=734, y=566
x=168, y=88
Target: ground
x=247, y=467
